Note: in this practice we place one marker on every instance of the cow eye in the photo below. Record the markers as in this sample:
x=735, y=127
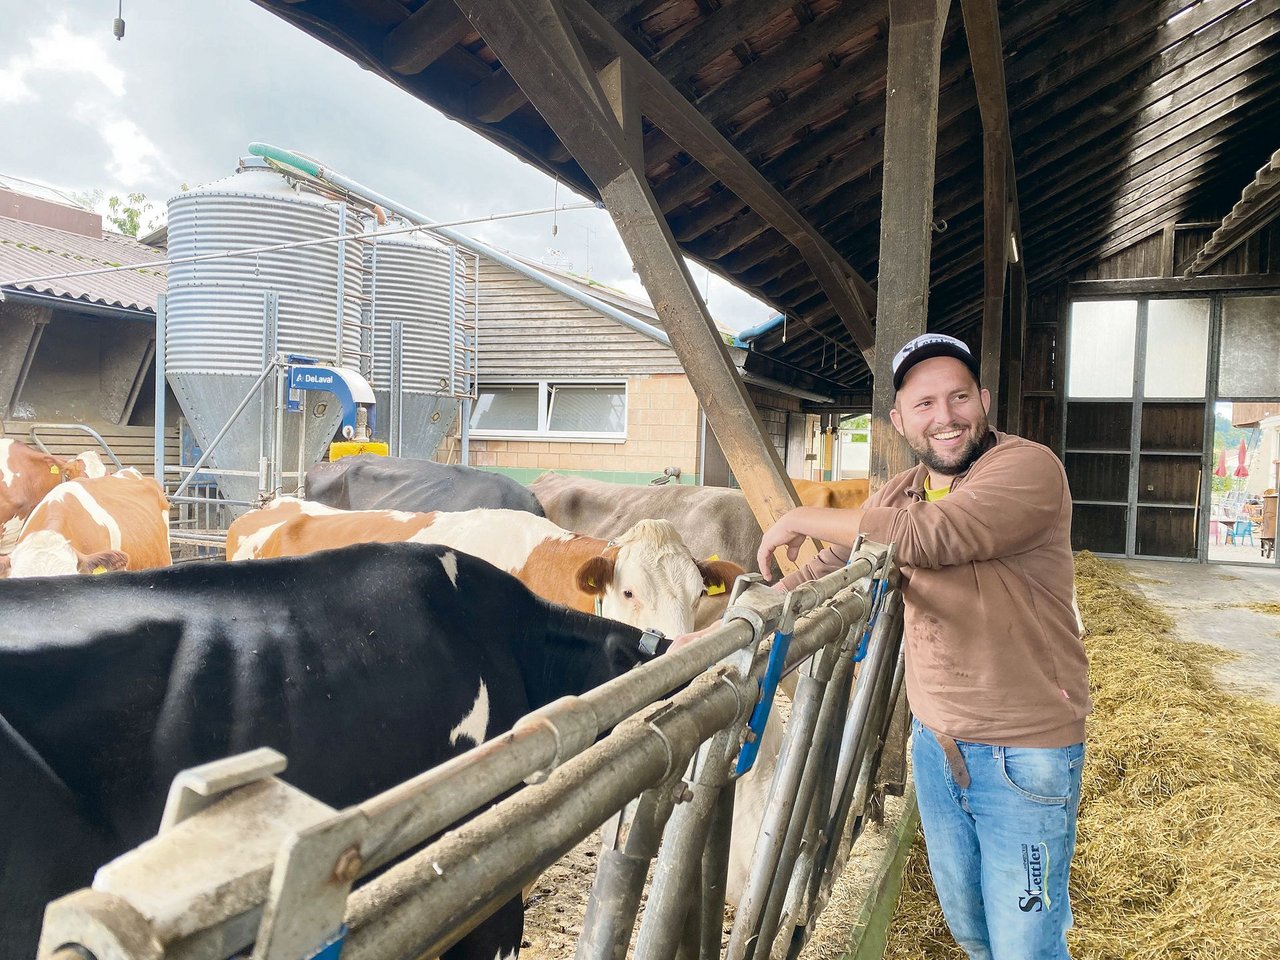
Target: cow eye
x=628, y=594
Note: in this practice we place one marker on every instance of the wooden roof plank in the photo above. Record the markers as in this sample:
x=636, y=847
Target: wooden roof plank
x=665, y=106
x=1178, y=98
x=815, y=191
x=730, y=25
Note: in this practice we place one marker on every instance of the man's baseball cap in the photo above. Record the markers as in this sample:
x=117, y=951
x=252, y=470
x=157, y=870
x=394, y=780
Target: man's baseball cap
x=927, y=346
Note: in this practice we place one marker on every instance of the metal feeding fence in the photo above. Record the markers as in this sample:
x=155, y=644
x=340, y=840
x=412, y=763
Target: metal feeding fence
x=244, y=861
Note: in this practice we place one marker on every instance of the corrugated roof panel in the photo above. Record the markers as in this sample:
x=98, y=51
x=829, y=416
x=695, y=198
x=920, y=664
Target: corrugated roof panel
x=31, y=250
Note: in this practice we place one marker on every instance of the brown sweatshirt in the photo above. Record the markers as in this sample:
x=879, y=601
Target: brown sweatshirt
x=993, y=643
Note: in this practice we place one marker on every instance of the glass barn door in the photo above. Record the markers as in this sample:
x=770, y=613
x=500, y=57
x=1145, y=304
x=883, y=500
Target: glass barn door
x=1136, y=426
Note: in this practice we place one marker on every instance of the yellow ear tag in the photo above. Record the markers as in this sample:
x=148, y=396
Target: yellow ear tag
x=714, y=556
x=591, y=582
x=53, y=468
x=98, y=570
x=715, y=590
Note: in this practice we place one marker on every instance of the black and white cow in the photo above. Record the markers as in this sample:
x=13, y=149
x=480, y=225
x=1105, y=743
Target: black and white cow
x=369, y=482
x=364, y=666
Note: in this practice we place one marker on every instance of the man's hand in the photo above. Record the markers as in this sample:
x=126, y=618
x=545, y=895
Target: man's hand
x=782, y=533
x=688, y=638
x=828, y=524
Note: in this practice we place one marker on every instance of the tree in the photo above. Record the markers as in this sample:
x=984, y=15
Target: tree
x=128, y=214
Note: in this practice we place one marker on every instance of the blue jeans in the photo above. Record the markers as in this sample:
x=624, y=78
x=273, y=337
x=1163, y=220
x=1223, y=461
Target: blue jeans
x=1000, y=849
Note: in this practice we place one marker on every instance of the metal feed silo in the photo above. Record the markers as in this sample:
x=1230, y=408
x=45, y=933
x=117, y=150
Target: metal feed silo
x=416, y=285
x=216, y=313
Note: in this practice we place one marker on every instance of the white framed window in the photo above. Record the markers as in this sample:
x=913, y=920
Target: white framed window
x=551, y=410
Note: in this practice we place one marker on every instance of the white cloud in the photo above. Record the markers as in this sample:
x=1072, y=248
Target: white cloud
x=134, y=158
x=59, y=51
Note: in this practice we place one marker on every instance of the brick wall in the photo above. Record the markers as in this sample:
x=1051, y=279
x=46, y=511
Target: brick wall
x=662, y=431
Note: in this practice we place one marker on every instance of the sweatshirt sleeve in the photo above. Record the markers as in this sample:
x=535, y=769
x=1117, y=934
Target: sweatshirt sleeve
x=1011, y=502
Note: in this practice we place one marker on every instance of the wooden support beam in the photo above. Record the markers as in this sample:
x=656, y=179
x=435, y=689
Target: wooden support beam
x=123, y=365
x=997, y=222
x=425, y=37
x=1000, y=192
x=496, y=98
x=1017, y=340
x=911, y=138
x=598, y=118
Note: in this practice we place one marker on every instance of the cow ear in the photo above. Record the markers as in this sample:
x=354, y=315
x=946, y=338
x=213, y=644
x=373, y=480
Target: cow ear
x=595, y=575
x=103, y=562
x=5, y=563
x=718, y=575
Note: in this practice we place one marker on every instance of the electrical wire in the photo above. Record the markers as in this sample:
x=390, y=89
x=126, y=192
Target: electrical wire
x=294, y=245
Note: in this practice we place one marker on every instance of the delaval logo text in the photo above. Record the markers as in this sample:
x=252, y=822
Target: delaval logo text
x=308, y=379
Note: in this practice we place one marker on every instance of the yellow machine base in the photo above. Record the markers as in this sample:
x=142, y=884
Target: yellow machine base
x=349, y=448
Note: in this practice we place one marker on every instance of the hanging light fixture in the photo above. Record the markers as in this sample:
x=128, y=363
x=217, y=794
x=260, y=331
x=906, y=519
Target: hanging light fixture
x=117, y=25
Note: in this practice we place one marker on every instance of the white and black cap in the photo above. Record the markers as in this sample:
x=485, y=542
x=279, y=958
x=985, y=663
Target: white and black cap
x=926, y=347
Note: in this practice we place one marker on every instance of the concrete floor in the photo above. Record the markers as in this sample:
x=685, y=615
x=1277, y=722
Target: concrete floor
x=1208, y=604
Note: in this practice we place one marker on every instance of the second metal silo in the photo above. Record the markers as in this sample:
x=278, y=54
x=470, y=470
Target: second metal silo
x=423, y=337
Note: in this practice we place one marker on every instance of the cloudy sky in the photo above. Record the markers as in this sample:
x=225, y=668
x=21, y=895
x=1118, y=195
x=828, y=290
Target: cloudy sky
x=195, y=81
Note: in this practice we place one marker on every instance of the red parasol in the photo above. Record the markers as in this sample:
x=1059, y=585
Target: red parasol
x=1221, y=469
x=1241, y=469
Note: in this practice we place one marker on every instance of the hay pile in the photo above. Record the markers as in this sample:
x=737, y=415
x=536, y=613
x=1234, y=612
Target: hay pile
x=1178, y=855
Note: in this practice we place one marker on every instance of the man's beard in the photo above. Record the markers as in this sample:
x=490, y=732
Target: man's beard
x=957, y=462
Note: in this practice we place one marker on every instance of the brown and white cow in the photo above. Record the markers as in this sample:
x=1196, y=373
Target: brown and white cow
x=844, y=494
x=92, y=525
x=645, y=577
x=26, y=475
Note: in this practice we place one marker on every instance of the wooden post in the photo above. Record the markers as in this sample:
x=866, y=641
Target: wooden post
x=910, y=150
x=1000, y=196
x=597, y=117
x=995, y=234
x=1017, y=338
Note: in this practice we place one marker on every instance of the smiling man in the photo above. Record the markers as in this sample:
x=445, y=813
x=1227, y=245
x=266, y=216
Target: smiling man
x=996, y=671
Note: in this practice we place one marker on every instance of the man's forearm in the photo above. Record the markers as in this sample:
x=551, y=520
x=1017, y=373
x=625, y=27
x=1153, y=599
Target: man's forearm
x=831, y=525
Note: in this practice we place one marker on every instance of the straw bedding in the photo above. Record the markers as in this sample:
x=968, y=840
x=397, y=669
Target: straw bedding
x=1178, y=855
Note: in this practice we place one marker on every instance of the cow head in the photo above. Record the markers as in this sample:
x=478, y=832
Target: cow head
x=87, y=464
x=46, y=553
x=648, y=578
